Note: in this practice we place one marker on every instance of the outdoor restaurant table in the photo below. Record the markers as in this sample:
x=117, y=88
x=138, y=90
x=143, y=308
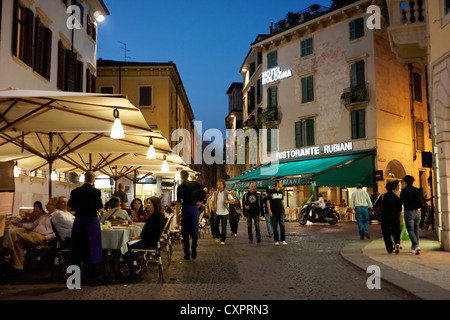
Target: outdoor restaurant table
x=114, y=240
x=116, y=237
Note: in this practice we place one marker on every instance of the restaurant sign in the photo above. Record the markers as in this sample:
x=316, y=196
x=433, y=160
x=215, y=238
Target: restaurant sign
x=315, y=151
x=275, y=74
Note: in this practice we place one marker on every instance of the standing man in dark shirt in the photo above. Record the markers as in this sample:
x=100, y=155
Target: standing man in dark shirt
x=252, y=210
x=276, y=212
x=413, y=202
x=86, y=245
x=188, y=201
x=122, y=195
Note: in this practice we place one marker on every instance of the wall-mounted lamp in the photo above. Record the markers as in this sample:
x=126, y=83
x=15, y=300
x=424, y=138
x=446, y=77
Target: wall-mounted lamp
x=54, y=176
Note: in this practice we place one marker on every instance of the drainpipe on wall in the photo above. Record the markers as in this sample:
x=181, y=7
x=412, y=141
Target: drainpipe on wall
x=413, y=125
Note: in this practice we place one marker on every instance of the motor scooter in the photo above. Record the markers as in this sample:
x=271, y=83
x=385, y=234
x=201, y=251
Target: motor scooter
x=327, y=215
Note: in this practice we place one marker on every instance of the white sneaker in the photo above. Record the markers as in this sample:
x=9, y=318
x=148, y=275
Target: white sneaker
x=417, y=249
x=284, y=243
x=277, y=243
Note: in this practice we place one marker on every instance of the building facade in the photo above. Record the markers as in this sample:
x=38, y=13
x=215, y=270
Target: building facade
x=331, y=87
x=158, y=91
x=233, y=122
x=48, y=45
x=418, y=32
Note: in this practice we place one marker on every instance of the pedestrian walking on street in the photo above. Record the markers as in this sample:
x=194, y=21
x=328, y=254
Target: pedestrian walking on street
x=265, y=210
x=252, y=202
x=390, y=218
x=221, y=206
x=86, y=245
x=413, y=202
x=188, y=201
x=235, y=214
x=277, y=212
x=360, y=202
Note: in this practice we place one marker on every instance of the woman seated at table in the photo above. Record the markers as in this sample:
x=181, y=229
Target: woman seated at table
x=115, y=211
x=137, y=211
x=149, y=236
x=38, y=211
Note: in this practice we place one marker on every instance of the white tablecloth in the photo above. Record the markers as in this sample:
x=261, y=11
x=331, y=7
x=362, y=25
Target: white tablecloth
x=116, y=238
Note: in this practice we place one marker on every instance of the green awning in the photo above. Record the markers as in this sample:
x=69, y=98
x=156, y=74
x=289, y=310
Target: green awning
x=342, y=170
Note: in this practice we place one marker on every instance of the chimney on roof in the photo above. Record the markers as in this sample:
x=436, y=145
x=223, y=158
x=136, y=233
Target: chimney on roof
x=271, y=27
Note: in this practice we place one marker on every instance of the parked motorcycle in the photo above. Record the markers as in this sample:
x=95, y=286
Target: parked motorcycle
x=327, y=215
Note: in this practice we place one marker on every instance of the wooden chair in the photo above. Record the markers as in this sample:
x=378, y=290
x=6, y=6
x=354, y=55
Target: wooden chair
x=116, y=221
x=145, y=255
x=165, y=239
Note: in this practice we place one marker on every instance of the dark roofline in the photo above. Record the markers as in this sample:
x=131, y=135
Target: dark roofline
x=233, y=85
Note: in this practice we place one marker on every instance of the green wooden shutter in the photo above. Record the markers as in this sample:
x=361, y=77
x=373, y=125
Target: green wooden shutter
x=362, y=123
x=354, y=124
x=299, y=134
x=352, y=30
x=310, y=88
x=310, y=132
x=420, y=136
x=360, y=73
x=304, y=90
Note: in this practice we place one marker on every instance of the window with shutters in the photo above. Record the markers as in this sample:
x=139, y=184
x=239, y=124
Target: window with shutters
x=145, y=96
x=272, y=139
x=356, y=28
x=304, y=133
x=107, y=90
x=272, y=97
x=251, y=100
x=417, y=87
x=22, y=40
x=358, y=123
x=70, y=70
x=308, y=89
x=306, y=47
x=272, y=59
x=259, y=91
x=91, y=28
x=91, y=81
x=43, y=49
x=357, y=75
x=420, y=136
x=447, y=7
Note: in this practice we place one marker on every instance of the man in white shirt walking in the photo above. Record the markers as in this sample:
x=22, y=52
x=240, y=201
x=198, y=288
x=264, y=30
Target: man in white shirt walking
x=220, y=205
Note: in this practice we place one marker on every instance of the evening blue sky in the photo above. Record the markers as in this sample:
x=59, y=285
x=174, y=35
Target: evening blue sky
x=207, y=40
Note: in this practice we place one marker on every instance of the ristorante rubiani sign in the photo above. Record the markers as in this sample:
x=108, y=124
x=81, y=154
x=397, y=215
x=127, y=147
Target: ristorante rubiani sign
x=275, y=74
x=315, y=151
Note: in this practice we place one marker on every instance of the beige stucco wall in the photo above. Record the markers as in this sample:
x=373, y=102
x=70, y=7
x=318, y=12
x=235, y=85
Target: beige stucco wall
x=17, y=74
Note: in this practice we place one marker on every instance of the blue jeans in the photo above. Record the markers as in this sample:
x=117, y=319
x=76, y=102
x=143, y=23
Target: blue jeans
x=251, y=217
x=269, y=224
x=189, y=227
x=217, y=220
x=362, y=219
x=412, y=220
x=278, y=219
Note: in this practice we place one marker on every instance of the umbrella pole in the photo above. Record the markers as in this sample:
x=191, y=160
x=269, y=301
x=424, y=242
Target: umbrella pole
x=50, y=164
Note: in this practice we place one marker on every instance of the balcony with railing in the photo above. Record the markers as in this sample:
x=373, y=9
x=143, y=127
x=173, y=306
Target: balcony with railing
x=356, y=94
x=408, y=30
x=269, y=117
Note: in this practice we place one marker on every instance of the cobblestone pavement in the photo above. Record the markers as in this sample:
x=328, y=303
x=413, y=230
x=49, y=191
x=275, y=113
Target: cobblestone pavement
x=310, y=267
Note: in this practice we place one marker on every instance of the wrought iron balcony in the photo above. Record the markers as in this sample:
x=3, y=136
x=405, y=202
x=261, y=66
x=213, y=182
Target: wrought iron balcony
x=408, y=30
x=355, y=95
x=270, y=115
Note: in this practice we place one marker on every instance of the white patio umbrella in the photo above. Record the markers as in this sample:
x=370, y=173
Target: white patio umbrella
x=40, y=128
